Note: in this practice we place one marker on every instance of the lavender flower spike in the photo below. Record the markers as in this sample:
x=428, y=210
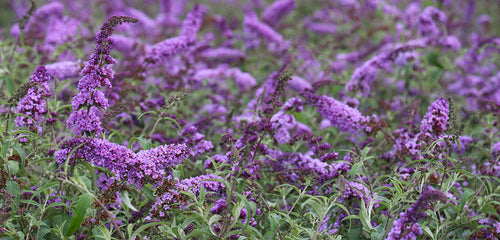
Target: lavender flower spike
x=175, y=45
x=97, y=74
x=33, y=103
x=273, y=14
x=64, y=70
x=436, y=119
x=347, y=119
x=253, y=25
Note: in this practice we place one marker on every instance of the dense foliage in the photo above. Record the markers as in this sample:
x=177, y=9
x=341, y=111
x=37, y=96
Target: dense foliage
x=223, y=119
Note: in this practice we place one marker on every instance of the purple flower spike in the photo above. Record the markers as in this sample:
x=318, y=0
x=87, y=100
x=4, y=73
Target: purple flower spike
x=64, y=70
x=273, y=14
x=436, y=119
x=33, y=103
x=192, y=23
x=175, y=45
x=254, y=26
x=347, y=119
x=97, y=73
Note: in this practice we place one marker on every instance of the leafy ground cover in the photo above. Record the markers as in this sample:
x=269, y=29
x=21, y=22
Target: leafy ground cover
x=221, y=119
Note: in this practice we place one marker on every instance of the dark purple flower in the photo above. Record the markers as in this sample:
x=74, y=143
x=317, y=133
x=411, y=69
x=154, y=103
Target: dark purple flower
x=97, y=74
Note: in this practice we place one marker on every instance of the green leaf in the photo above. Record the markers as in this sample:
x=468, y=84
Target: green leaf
x=433, y=59
x=145, y=143
x=379, y=233
x=21, y=153
x=5, y=147
x=356, y=169
x=427, y=231
x=10, y=84
x=13, y=167
x=13, y=188
x=213, y=219
x=237, y=211
x=466, y=195
x=144, y=227
x=126, y=200
x=81, y=207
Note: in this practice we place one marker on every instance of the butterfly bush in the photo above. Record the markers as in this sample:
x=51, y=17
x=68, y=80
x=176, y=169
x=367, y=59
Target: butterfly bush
x=249, y=119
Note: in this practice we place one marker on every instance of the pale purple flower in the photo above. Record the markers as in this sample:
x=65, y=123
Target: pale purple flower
x=219, y=205
x=299, y=84
x=321, y=27
x=176, y=45
x=340, y=115
x=223, y=53
x=427, y=26
x=450, y=42
x=135, y=168
x=173, y=197
x=64, y=70
x=484, y=20
x=364, y=76
x=275, y=12
x=357, y=190
x=282, y=135
x=82, y=121
x=125, y=44
x=192, y=23
x=495, y=148
x=61, y=31
x=253, y=26
x=436, y=120
x=243, y=80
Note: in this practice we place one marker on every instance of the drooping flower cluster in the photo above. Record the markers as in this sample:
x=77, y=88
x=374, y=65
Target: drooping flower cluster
x=97, y=73
x=33, y=104
x=135, y=168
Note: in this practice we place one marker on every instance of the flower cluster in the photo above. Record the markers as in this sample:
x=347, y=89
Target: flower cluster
x=175, y=45
x=97, y=74
x=135, y=168
x=340, y=115
x=33, y=104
